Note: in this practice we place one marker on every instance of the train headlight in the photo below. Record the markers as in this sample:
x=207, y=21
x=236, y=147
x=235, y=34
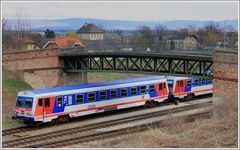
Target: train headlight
x=16, y=112
x=29, y=114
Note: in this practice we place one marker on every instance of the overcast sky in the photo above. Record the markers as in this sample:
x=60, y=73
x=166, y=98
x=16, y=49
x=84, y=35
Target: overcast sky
x=155, y=11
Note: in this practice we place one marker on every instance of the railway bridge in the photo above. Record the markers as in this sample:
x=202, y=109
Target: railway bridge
x=53, y=67
x=164, y=63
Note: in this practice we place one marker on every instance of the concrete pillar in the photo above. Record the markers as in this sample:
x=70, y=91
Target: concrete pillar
x=74, y=78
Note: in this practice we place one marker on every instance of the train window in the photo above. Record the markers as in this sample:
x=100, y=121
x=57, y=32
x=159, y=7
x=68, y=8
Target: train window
x=123, y=92
x=28, y=103
x=177, y=83
x=195, y=82
x=79, y=98
x=189, y=83
x=134, y=91
x=160, y=86
x=91, y=97
x=142, y=89
x=164, y=85
x=47, y=102
x=203, y=81
x=209, y=81
x=102, y=95
x=181, y=83
x=151, y=88
x=40, y=103
x=59, y=101
x=170, y=83
x=69, y=100
x=19, y=103
x=113, y=93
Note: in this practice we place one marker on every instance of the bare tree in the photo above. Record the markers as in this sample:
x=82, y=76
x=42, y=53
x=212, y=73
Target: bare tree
x=161, y=31
x=14, y=33
x=120, y=33
x=144, y=35
x=210, y=34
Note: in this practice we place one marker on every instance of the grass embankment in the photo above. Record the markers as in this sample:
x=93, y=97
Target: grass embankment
x=11, y=85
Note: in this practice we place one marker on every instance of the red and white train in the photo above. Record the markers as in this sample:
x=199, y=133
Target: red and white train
x=61, y=103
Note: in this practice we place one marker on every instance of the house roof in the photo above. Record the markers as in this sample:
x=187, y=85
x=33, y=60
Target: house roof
x=90, y=28
x=67, y=42
x=43, y=42
x=62, y=42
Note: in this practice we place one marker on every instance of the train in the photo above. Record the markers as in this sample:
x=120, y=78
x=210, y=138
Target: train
x=59, y=104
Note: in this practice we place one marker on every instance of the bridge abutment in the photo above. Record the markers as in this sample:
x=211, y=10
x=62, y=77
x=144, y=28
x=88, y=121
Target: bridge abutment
x=225, y=82
x=74, y=78
x=41, y=68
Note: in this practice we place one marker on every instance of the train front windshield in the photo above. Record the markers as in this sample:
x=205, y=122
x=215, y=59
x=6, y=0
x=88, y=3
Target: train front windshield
x=24, y=102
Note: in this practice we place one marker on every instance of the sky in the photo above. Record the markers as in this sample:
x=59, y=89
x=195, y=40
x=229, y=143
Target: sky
x=136, y=11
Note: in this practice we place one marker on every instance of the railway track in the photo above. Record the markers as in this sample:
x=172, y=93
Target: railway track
x=86, y=131
x=8, y=132
x=117, y=133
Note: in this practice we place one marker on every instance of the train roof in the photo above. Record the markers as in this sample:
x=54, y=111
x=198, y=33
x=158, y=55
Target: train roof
x=177, y=78
x=90, y=85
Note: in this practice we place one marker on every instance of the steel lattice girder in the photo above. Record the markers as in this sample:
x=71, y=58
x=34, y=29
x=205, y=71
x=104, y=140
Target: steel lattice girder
x=154, y=65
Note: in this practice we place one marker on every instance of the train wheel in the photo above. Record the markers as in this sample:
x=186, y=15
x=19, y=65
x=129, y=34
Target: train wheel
x=149, y=104
x=176, y=101
x=188, y=97
x=63, y=118
x=36, y=124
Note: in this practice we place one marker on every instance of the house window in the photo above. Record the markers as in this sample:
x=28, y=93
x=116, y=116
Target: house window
x=59, y=101
x=123, y=92
x=113, y=93
x=151, y=88
x=91, y=97
x=134, y=91
x=79, y=98
x=142, y=89
x=102, y=95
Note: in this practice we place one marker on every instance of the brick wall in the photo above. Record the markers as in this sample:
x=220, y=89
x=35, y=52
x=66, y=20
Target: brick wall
x=225, y=72
x=39, y=68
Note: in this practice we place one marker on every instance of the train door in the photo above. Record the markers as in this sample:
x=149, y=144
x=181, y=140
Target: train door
x=179, y=87
x=160, y=89
x=46, y=107
x=40, y=107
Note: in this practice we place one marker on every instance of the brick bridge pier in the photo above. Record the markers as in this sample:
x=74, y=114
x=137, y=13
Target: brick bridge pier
x=41, y=68
x=225, y=72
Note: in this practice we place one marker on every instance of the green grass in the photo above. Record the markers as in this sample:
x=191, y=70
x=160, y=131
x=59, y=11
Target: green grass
x=9, y=123
x=11, y=85
x=105, y=76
